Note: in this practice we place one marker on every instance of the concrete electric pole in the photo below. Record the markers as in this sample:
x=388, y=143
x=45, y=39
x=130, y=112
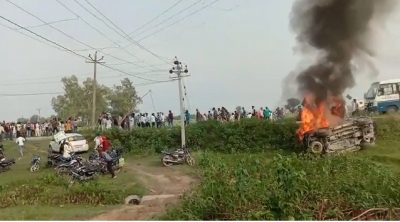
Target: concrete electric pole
x=38, y=119
x=180, y=73
x=95, y=61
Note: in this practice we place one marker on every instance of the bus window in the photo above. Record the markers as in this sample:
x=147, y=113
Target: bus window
x=388, y=89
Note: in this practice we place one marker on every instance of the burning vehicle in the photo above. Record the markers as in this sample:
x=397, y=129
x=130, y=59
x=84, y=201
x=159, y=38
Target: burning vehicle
x=323, y=130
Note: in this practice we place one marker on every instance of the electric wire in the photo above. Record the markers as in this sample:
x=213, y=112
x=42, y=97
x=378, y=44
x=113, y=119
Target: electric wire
x=59, y=21
x=158, y=16
x=152, y=101
x=193, y=13
x=171, y=17
x=127, y=36
x=98, y=31
x=77, y=54
x=68, y=34
x=60, y=93
x=59, y=81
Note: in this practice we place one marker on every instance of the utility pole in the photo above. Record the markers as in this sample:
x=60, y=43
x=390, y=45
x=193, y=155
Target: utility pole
x=95, y=61
x=38, y=119
x=180, y=73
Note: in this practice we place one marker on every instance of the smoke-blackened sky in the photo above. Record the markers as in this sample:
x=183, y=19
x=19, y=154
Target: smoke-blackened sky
x=341, y=31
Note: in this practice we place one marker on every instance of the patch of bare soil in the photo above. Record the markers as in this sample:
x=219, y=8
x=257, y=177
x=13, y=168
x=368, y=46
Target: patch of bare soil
x=159, y=180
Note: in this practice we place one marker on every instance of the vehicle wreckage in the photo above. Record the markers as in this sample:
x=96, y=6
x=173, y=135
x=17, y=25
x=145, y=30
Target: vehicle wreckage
x=352, y=135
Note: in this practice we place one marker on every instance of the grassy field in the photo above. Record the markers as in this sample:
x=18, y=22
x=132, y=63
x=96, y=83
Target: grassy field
x=138, y=177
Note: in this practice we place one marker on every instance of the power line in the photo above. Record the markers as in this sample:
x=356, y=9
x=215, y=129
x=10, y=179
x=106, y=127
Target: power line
x=162, y=13
x=202, y=8
x=59, y=21
x=165, y=20
x=152, y=101
x=67, y=34
x=87, y=23
x=129, y=38
x=59, y=93
x=126, y=73
x=59, y=81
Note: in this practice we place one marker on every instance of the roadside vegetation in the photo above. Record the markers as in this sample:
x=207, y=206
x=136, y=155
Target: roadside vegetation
x=248, y=170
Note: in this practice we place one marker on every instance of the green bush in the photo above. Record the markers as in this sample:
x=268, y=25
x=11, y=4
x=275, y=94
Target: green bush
x=249, y=135
x=288, y=188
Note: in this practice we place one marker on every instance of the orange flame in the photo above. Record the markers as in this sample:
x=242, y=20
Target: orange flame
x=321, y=115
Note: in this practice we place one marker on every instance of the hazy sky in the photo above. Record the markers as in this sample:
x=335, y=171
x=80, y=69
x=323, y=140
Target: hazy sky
x=237, y=51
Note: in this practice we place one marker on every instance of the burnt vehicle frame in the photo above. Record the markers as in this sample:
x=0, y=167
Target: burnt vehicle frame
x=354, y=134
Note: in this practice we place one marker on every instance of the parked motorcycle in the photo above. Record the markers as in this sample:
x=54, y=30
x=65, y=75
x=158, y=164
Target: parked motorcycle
x=178, y=156
x=5, y=164
x=66, y=167
x=35, y=163
x=117, y=160
x=83, y=173
x=54, y=159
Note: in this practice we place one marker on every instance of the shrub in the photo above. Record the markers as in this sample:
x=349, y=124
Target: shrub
x=288, y=188
x=248, y=135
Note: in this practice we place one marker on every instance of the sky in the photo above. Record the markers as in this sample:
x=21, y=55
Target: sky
x=238, y=52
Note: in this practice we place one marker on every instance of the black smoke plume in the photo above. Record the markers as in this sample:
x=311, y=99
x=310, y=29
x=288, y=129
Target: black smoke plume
x=341, y=31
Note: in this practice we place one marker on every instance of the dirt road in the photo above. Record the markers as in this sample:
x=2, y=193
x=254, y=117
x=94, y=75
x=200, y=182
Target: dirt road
x=159, y=180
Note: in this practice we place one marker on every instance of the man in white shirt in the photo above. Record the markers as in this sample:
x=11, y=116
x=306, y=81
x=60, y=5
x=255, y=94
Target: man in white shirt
x=142, y=121
x=153, y=120
x=162, y=119
x=108, y=123
x=67, y=150
x=20, y=142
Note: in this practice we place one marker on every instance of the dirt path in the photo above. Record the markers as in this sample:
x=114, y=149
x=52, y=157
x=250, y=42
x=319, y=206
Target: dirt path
x=159, y=180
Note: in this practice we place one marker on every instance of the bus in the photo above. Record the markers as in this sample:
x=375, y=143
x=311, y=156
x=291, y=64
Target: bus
x=383, y=96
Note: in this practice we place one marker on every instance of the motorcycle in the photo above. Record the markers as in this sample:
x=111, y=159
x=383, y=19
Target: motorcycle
x=117, y=160
x=69, y=164
x=82, y=174
x=178, y=156
x=5, y=163
x=35, y=163
x=55, y=159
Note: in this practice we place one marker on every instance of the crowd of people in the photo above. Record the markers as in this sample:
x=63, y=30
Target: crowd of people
x=159, y=119
x=12, y=130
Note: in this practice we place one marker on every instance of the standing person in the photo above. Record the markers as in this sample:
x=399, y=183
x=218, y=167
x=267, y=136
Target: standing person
x=199, y=117
x=20, y=142
x=108, y=123
x=55, y=126
x=105, y=145
x=28, y=129
x=244, y=113
x=170, y=119
x=187, y=117
x=68, y=127
x=75, y=125
x=355, y=108
x=37, y=130
x=267, y=113
x=153, y=120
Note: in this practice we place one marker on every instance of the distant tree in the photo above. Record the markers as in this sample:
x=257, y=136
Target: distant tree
x=34, y=118
x=123, y=98
x=22, y=120
x=238, y=109
x=291, y=104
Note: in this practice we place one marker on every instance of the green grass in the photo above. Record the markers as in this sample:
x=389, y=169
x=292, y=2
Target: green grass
x=20, y=174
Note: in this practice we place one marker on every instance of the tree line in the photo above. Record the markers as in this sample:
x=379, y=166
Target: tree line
x=77, y=99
